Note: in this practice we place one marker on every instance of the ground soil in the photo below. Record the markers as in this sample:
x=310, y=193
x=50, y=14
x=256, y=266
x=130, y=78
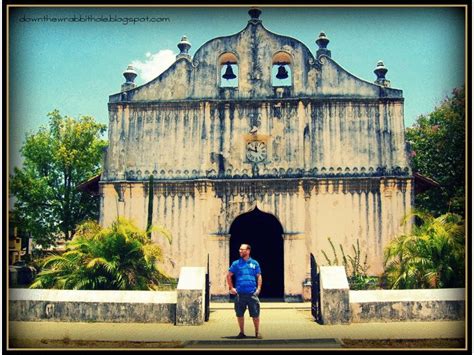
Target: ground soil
x=66, y=343
x=346, y=343
x=404, y=343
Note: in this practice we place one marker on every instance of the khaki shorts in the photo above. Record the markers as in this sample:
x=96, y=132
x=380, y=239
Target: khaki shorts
x=242, y=301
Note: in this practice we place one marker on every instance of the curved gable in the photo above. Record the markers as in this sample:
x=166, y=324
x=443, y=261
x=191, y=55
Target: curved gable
x=337, y=81
x=254, y=47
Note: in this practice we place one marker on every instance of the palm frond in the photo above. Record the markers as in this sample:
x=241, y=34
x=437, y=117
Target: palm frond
x=117, y=257
x=423, y=258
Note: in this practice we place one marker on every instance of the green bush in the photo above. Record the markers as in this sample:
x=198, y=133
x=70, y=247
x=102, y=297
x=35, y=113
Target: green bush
x=121, y=257
x=364, y=282
x=432, y=256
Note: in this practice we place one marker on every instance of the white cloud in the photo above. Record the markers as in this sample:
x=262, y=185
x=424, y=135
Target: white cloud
x=154, y=64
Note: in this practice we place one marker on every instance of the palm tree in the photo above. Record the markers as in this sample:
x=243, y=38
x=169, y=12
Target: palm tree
x=432, y=256
x=121, y=257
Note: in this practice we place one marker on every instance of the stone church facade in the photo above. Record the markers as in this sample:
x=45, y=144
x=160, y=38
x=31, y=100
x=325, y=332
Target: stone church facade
x=281, y=167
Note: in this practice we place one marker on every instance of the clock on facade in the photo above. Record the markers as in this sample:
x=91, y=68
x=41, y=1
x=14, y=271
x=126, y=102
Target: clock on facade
x=256, y=151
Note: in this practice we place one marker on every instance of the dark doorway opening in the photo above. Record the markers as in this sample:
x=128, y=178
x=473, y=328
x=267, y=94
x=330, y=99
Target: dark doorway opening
x=264, y=233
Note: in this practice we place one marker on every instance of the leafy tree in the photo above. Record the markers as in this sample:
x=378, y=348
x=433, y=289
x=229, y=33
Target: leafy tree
x=432, y=256
x=121, y=257
x=56, y=159
x=438, y=151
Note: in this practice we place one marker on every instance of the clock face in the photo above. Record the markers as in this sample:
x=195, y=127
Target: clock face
x=256, y=151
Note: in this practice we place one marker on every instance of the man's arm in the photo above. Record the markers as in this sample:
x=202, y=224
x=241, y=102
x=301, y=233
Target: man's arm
x=231, y=285
x=259, y=284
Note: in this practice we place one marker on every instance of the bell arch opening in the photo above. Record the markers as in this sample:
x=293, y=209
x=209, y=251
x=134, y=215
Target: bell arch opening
x=282, y=69
x=264, y=233
x=228, y=70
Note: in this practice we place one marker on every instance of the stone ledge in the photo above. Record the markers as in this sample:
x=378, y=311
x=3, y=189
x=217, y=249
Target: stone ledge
x=448, y=294
x=407, y=305
x=192, y=278
x=25, y=294
x=334, y=277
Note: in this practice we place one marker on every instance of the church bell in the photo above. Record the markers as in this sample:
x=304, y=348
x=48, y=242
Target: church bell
x=282, y=73
x=229, y=74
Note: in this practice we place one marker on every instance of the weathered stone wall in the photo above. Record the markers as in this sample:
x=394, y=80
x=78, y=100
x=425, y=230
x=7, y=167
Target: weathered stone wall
x=341, y=305
x=190, y=140
x=407, y=305
x=328, y=121
x=92, y=306
x=367, y=210
x=199, y=215
x=185, y=306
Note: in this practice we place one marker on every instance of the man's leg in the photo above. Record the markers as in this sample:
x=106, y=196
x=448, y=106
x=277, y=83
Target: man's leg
x=240, y=320
x=254, y=309
x=239, y=312
x=256, y=323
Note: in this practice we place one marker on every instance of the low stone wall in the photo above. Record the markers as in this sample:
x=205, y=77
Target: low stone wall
x=92, y=306
x=407, y=305
x=185, y=306
x=339, y=305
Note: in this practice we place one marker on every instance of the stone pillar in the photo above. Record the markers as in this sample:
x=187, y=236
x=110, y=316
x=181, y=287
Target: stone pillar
x=218, y=248
x=136, y=204
x=111, y=202
x=190, y=300
x=334, y=293
x=295, y=252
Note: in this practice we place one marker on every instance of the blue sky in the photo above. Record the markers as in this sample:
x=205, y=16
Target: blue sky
x=75, y=66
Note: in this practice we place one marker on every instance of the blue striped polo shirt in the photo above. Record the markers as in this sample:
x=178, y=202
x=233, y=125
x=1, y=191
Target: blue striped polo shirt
x=245, y=275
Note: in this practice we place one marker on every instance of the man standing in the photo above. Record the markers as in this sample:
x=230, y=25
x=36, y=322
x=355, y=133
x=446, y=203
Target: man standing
x=248, y=283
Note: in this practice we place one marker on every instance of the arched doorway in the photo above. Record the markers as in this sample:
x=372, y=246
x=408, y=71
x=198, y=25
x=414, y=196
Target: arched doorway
x=264, y=233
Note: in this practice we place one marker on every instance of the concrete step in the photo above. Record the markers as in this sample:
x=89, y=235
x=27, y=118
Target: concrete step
x=264, y=305
x=262, y=343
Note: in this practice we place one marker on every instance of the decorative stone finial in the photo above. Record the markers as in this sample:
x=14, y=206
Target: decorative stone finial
x=322, y=43
x=130, y=74
x=380, y=71
x=184, y=47
x=254, y=13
